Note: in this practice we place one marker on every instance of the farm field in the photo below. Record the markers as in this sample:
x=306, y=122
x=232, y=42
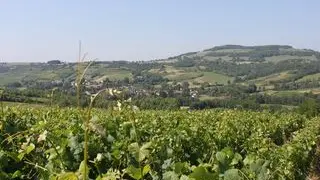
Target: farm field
x=310, y=77
x=110, y=73
x=48, y=143
x=212, y=78
x=294, y=92
x=277, y=59
x=23, y=105
x=177, y=74
x=271, y=78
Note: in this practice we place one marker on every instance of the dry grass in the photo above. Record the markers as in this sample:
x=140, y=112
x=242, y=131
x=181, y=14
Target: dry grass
x=273, y=77
x=212, y=78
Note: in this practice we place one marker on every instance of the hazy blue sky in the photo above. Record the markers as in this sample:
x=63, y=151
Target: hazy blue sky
x=41, y=30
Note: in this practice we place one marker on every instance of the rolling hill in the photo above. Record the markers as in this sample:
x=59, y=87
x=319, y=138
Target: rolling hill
x=262, y=65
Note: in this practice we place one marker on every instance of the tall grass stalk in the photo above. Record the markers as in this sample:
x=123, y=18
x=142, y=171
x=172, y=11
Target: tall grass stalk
x=77, y=83
x=86, y=132
x=1, y=102
x=81, y=71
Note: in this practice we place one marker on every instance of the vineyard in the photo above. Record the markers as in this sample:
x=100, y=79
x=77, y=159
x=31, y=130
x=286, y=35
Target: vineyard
x=48, y=143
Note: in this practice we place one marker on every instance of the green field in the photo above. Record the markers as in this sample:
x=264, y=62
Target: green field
x=310, y=77
x=133, y=145
x=212, y=78
x=111, y=73
x=214, y=58
x=206, y=97
x=192, y=75
x=7, y=78
x=28, y=72
x=285, y=106
x=177, y=74
x=16, y=74
x=47, y=73
x=22, y=105
x=273, y=77
x=295, y=92
x=183, y=76
x=276, y=59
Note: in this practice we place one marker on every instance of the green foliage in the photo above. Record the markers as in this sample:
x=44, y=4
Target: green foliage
x=310, y=108
x=201, y=173
x=46, y=143
x=139, y=153
x=157, y=103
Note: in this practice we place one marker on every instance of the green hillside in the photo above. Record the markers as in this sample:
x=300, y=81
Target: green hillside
x=221, y=72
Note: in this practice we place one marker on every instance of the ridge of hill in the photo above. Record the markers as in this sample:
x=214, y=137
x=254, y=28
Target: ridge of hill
x=239, y=53
x=264, y=65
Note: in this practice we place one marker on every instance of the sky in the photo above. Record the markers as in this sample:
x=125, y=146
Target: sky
x=42, y=30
